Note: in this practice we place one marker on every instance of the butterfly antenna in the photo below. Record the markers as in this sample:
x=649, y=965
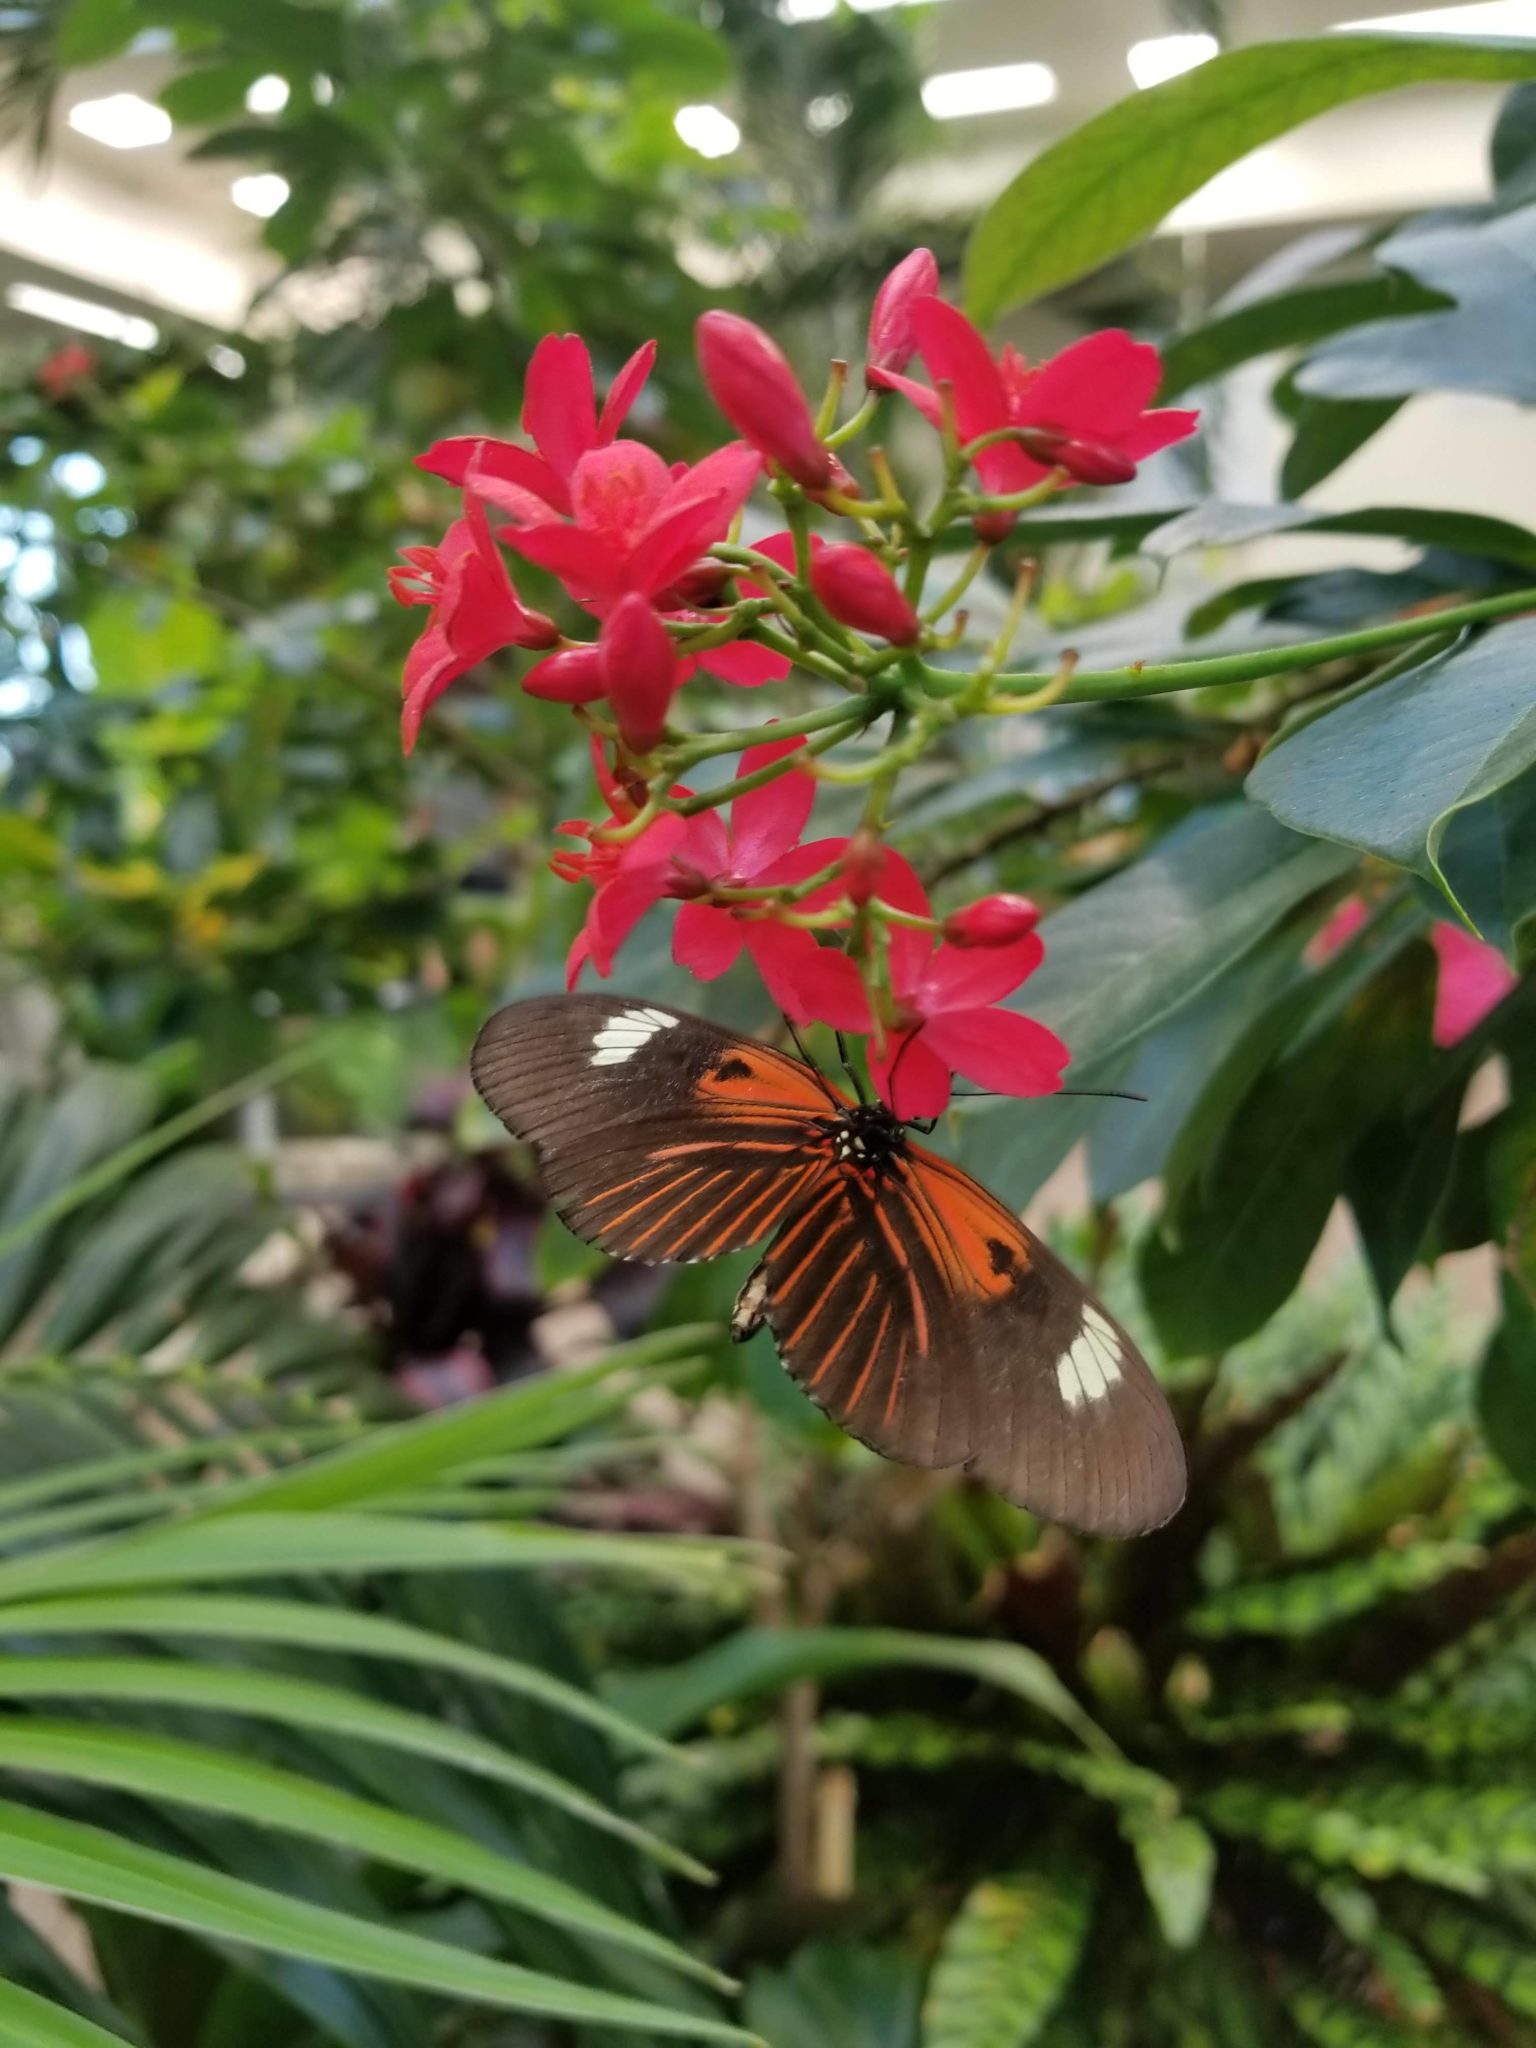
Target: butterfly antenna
x=996, y=1094
x=851, y=1070
x=821, y=1079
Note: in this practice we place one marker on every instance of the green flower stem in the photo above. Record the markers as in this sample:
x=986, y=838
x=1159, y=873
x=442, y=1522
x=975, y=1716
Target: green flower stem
x=712, y=799
x=707, y=745
x=742, y=617
x=1093, y=686
x=814, y=626
x=854, y=426
x=975, y=561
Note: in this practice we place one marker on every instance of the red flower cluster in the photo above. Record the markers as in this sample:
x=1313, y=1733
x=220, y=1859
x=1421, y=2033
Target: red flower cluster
x=839, y=930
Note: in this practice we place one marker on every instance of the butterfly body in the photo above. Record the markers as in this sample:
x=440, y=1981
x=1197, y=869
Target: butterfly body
x=906, y=1300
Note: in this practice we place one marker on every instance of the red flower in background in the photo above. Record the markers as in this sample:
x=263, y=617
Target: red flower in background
x=561, y=418
x=946, y=1022
x=58, y=374
x=475, y=613
x=1474, y=979
x=892, y=338
x=1084, y=411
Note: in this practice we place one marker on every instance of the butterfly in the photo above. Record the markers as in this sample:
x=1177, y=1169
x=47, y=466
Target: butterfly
x=909, y=1303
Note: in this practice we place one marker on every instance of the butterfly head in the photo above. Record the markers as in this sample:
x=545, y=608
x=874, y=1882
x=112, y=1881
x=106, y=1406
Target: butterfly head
x=867, y=1135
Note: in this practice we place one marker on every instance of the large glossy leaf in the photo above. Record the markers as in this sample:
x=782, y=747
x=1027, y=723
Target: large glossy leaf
x=842, y=1991
x=330, y=1710
x=1488, y=856
x=164, y=1770
x=764, y=1660
x=1008, y=1954
x=1111, y=181
x=87, y=1863
x=1127, y=956
x=1289, y=320
x=1218, y=523
x=1485, y=343
x=1386, y=772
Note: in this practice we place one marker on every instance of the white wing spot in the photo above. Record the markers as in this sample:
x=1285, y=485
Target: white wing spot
x=623, y=1035
x=1090, y=1367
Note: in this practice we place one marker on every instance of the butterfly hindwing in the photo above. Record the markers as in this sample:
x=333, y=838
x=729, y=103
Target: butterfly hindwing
x=958, y=1338
x=660, y=1136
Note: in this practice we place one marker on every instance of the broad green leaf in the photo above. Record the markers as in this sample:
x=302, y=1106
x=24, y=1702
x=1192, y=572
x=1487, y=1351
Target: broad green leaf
x=1289, y=320
x=765, y=1660
x=230, y=1617
x=1486, y=341
x=1125, y=957
x=163, y=1769
x=27, y=2021
x=1306, y=1603
x=259, y=1546
x=837, y=1991
x=308, y=1703
x=1177, y=1860
x=1009, y=1954
x=1325, y=433
x=139, y=644
x=86, y=1863
x=1492, y=1953
x=1219, y=524
x=1108, y=183
x=1386, y=772
x=1488, y=856
x=92, y=30
x=1512, y=151
x=100, y=1475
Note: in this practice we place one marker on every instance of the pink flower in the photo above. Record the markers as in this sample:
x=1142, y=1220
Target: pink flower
x=1474, y=979
x=1084, y=410
x=59, y=374
x=992, y=921
x=760, y=849
x=892, y=341
x=753, y=385
x=946, y=1021
x=642, y=671
x=628, y=879
x=559, y=415
x=636, y=525
x=573, y=675
x=475, y=613
x=859, y=590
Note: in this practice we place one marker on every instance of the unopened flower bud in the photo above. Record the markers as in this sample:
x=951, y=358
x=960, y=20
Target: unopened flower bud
x=574, y=675
x=862, y=865
x=993, y=921
x=700, y=586
x=862, y=593
x=641, y=669
x=754, y=386
x=892, y=342
x=992, y=527
x=1087, y=462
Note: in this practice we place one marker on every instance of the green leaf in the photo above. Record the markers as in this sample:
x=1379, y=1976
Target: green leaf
x=1488, y=855
x=1289, y=320
x=1325, y=435
x=1306, y=1603
x=1217, y=523
x=1506, y=1386
x=765, y=1660
x=1108, y=183
x=232, y=1617
x=92, y=30
x=837, y=1991
x=88, y=1864
x=1008, y=1955
x=1125, y=957
x=334, y=1711
x=139, y=645
x=27, y=2021
x=161, y=1769
x=1177, y=1860
x=1478, y=1945
x=1387, y=772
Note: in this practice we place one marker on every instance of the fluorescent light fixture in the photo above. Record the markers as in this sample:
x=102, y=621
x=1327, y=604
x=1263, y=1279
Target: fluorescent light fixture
x=267, y=94
x=122, y=121
x=709, y=131
x=954, y=95
x=86, y=316
x=1483, y=18
x=806, y=10
x=1160, y=57
x=262, y=193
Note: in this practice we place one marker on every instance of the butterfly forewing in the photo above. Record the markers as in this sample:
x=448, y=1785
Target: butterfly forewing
x=915, y=1308
x=660, y=1136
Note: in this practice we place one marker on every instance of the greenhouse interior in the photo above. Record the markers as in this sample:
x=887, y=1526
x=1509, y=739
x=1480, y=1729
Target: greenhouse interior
x=767, y=1024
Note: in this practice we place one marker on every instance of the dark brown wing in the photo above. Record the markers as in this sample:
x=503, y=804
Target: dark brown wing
x=660, y=1136
x=932, y=1325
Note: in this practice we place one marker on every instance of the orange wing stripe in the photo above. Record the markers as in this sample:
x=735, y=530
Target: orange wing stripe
x=848, y=1329
x=904, y=1262
x=667, y=1185
x=666, y=1215
x=794, y=1336
x=901, y=1359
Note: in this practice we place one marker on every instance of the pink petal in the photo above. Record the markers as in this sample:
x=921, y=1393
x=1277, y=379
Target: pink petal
x=731, y=471
x=1155, y=430
x=766, y=822
x=800, y=863
x=910, y=950
x=578, y=956
x=1095, y=388
x=705, y=940
x=955, y=353
x=1338, y=931
x=969, y=977
x=617, y=491
x=497, y=461
x=999, y=1049
x=588, y=567
x=1474, y=979
x=920, y=395
x=672, y=542
x=809, y=983
x=559, y=404
x=921, y=1079
x=623, y=392
x=744, y=663
x=705, y=846
x=618, y=907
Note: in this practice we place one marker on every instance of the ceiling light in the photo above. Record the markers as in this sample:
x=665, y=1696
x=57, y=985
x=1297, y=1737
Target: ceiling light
x=86, y=316
x=122, y=121
x=1160, y=57
x=262, y=193
x=1484, y=18
x=952, y=95
x=708, y=130
x=806, y=10
x=267, y=94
